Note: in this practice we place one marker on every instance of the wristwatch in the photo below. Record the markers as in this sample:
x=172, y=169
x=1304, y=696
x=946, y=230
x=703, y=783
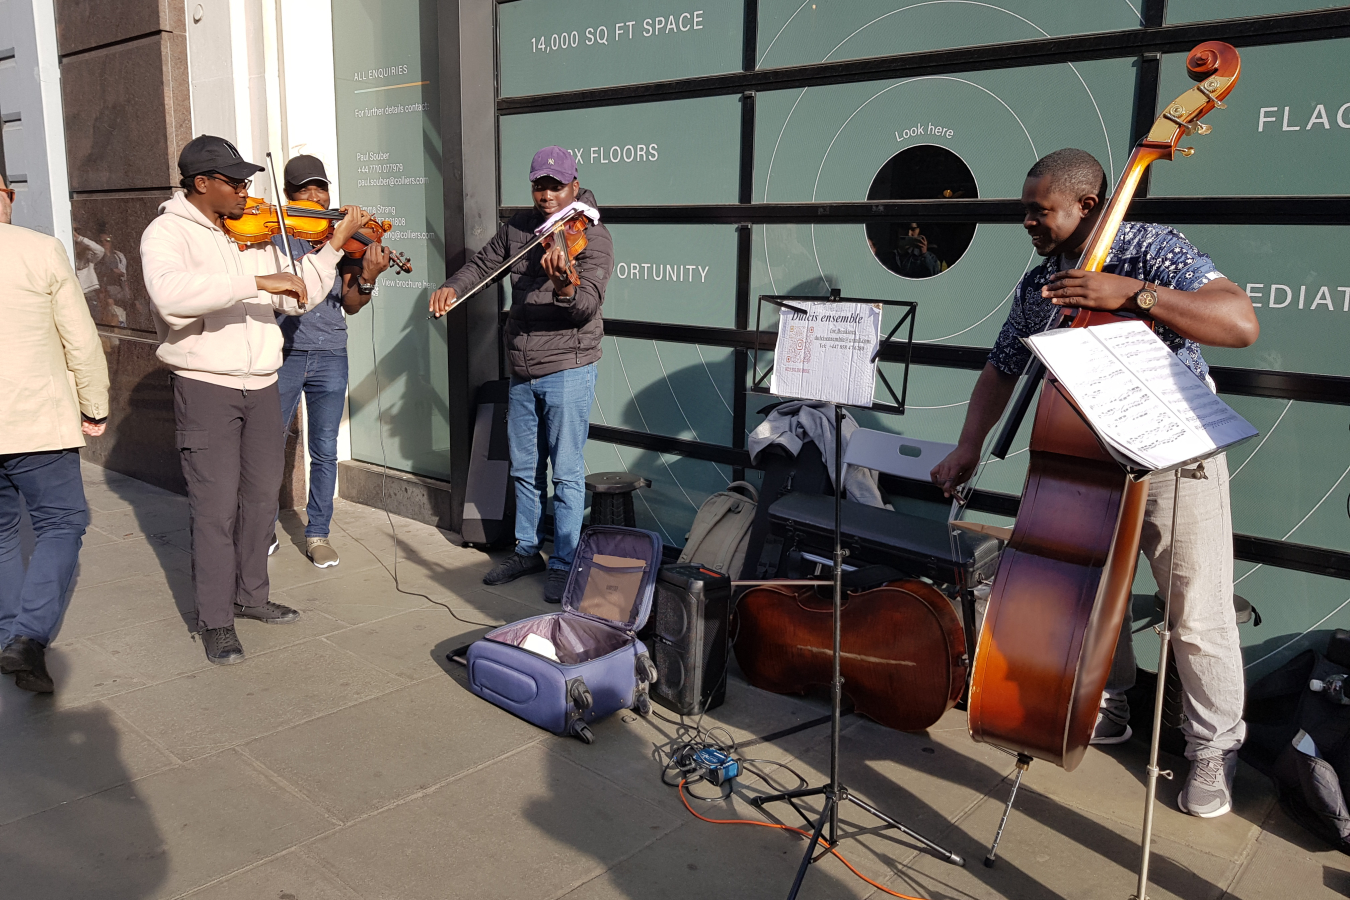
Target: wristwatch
x=1146, y=297
x=363, y=288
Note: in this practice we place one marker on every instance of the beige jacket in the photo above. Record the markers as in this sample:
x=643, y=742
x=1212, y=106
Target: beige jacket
x=213, y=322
x=51, y=365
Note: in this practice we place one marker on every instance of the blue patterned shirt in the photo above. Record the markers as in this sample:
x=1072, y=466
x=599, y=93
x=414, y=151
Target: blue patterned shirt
x=1153, y=253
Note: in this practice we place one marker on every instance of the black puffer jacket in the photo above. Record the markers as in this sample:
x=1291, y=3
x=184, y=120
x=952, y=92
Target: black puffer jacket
x=546, y=333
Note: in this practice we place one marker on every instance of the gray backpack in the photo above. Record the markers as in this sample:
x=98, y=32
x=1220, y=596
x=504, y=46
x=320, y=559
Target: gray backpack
x=721, y=531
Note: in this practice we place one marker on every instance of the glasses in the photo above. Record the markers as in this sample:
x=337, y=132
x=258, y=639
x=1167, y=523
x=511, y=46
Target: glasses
x=8, y=192
x=239, y=187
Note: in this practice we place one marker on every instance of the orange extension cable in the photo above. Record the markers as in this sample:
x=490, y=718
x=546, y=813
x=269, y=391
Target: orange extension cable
x=824, y=843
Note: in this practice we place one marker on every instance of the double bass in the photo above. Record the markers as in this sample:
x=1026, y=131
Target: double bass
x=1063, y=585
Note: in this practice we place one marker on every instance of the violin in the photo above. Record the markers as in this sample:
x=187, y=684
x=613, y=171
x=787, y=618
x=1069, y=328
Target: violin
x=1063, y=584
x=307, y=221
x=572, y=233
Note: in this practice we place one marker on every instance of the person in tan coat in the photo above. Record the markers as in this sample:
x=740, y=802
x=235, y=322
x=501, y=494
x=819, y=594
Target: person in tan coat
x=53, y=392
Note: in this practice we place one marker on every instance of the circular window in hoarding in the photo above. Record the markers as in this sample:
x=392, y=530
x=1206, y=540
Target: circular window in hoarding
x=921, y=249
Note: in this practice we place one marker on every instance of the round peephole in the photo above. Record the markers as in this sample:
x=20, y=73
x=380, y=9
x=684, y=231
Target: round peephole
x=921, y=249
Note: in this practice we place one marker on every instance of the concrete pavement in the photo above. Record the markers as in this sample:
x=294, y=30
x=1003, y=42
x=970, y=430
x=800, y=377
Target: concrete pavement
x=346, y=759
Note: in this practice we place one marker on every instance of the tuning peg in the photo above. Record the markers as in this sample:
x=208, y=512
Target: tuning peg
x=1218, y=104
x=1185, y=151
x=1202, y=128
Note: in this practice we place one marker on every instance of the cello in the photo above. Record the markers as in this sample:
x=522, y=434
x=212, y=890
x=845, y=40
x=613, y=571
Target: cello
x=1063, y=585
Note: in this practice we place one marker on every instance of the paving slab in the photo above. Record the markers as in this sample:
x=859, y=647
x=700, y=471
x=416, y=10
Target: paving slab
x=147, y=516
x=357, y=597
x=166, y=648
x=290, y=567
x=158, y=837
x=1051, y=851
x=82, y=673
x=99, y=608
x=207, y=711
x=531, y=824
x=291, y=876
x=362, y=758
x=1290, y=862
x=127, y=559
x=57, y=758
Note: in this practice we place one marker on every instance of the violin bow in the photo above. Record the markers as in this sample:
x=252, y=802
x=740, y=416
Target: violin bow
x=281, y=216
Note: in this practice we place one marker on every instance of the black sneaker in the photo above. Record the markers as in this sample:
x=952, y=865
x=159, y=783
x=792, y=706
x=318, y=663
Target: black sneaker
x=24, y=658
x=556, y=584
x=269, y=612
x=514, y=567
x=222, y=646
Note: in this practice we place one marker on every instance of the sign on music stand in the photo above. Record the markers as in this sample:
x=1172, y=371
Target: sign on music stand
x=827, y=350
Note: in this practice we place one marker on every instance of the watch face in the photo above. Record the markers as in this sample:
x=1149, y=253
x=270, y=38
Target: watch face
x=1146, y=299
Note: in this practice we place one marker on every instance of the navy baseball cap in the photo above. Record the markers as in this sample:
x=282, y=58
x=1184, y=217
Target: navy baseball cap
x=209, y=153
x=554, y=162
x=303, y=169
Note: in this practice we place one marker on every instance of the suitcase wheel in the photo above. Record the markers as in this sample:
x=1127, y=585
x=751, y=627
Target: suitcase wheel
x=643, y=705
x=646, y=669
x=583, y=731
x=580, y=695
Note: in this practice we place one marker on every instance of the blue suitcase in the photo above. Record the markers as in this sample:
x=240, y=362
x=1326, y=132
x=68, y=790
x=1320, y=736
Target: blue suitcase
x=590, y=663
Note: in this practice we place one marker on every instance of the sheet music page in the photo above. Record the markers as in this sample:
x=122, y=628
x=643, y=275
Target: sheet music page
x=1117, y=404
x=1135, y=344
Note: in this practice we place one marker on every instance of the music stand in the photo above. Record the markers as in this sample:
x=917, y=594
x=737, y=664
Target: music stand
x=834, y=791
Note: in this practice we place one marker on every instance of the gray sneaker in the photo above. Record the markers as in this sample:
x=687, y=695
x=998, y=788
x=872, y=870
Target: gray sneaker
x=1208, y=791
x=1110, y=730
x=320, y=552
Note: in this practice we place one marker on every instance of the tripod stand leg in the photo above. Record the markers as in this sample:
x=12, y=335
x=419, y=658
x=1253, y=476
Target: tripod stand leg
x=826, y=815
x=942, y=852
x=1023, y=762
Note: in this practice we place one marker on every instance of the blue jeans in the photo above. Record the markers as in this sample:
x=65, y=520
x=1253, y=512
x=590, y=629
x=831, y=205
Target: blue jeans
x=322, y=376
x=563, y=402
x=32, y=601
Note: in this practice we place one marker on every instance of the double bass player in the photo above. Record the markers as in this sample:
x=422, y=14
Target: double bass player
x=1151, y=270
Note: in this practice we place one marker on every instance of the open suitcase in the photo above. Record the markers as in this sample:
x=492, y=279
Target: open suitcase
x=564, y=670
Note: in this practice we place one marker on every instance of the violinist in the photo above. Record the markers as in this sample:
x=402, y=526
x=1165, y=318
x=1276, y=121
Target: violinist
x=1154, y=271
x=214, y=310
x=314, y=358
x=552, y=342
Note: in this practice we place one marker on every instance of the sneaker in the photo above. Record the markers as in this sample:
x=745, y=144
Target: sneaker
x=270, y=613
x=1208, y=791
x=514, y=567
x=555, y=585
x=24, y=658
x=320, y=552
x=222, y=646
x=1110, y=731
x=275, y=544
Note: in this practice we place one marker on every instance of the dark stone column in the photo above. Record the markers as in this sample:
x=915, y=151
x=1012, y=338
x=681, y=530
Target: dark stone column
x=124, y=86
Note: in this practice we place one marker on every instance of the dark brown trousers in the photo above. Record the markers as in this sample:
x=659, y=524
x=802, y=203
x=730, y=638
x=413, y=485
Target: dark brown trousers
x=227, y=440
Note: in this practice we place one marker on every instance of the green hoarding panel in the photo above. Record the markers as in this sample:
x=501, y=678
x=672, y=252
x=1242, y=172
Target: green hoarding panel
x=677, y=390
x=545, y=47
x=1180, y=11
x=1298, y=278
x=793, y=32
x=679, y=152
x=1280, y=132
x=389, y=162
x=673, y=274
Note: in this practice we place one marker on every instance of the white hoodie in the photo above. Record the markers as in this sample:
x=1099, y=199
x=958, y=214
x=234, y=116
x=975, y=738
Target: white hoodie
x=213, y=322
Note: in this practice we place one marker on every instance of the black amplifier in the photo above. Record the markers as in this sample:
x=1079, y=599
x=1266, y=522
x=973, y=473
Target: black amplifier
x=686, y=634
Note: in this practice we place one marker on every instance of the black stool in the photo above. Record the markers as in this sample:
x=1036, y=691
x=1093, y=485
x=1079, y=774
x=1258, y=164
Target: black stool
x=612, y=497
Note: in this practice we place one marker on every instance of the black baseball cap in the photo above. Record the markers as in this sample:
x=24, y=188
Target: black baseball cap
x=208, y=153
x=303, y=169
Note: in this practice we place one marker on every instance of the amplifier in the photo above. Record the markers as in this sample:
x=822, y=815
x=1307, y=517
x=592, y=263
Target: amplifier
x=687, y=636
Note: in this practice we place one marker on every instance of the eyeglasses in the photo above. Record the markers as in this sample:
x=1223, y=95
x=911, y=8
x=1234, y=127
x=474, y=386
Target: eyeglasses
x=8, y=192
x=239, y=187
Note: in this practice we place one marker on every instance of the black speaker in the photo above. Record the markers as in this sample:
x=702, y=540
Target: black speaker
x=687, y=636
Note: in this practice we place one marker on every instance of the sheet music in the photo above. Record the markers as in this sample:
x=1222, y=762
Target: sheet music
x=825, y=352
x=1141, y=400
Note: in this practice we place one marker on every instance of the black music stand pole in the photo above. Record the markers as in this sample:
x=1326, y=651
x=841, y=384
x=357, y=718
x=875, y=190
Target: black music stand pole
x=834, y=792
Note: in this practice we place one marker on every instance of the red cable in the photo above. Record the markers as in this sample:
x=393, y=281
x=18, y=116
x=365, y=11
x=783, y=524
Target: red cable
x=824, y=843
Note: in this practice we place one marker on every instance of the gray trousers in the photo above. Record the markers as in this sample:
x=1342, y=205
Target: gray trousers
x=227, y=442
x=1205, y=641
